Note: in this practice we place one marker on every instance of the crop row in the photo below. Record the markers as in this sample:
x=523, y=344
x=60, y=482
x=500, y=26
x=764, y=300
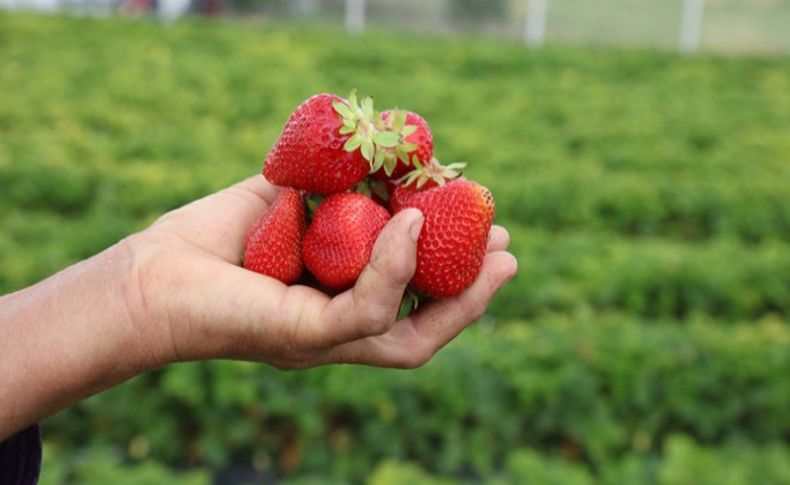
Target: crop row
x=752, y=208
x=578, y=273
x=590, y=390
x=682, y=461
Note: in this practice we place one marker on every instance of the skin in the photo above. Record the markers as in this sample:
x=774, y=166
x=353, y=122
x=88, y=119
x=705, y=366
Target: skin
x=175, y=292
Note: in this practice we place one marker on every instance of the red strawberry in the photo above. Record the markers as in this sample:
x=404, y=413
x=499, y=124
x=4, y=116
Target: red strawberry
x=452, y=244
x=338, y=243
x=273, y=246
x=325, y=147
x=417, y=142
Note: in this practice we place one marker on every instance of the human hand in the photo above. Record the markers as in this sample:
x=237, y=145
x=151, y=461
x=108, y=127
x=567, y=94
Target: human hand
x=176, y=292
x=192, y=300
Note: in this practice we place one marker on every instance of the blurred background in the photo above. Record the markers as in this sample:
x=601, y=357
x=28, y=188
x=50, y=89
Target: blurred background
x=729, y=26
x=638, y=150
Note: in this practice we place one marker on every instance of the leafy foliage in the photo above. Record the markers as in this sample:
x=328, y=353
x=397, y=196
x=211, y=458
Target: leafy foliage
x=590, y=390
x=686, y=463
x=645, y=337
x=103, y=466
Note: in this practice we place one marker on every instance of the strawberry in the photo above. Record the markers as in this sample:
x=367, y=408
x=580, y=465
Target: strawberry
x=417, y=141
x=338, y=244
x=452, y=244
x=314, y=152
x=273, y=246
x=329, y=144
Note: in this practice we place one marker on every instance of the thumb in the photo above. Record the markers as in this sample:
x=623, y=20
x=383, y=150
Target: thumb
x=371, y=306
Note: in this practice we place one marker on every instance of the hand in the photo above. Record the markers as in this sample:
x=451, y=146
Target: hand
x=194, y=301
x=176, y=292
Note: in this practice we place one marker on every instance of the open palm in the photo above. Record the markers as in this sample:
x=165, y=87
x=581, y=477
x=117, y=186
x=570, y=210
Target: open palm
x=191, y=284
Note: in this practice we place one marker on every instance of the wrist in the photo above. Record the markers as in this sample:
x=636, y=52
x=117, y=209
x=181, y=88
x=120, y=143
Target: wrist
x=149, y=328
x=74, y=334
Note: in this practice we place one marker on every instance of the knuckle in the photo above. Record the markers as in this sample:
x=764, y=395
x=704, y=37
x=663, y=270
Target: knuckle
x=402, y=275
x=378, y=261
x=373, y=317
x=387, y=268
x=367, y=328
x=377, y=318
x=358, y=328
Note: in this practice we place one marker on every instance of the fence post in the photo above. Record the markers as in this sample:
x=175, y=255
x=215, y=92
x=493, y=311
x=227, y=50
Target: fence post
x=691, y=25
x=355, y=16
x=535, y=27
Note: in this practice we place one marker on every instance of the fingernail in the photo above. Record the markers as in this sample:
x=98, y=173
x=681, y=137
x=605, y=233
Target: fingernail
x=416, y=225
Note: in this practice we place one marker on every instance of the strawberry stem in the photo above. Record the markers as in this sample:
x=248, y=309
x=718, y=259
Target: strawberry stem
x=408, y=304
x=433, y=170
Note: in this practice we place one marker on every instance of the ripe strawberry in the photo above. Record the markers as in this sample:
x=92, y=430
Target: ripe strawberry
x=452, y=244
x=338, y=243
x=325, y=147
x=417, y=141
x=273, y=245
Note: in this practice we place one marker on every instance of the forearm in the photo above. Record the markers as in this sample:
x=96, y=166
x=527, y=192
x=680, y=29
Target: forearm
x=70, y=336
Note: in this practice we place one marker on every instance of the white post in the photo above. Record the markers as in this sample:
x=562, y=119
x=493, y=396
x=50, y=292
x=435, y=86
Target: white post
x=355, y=16
x=535, y=27
x=691, y=25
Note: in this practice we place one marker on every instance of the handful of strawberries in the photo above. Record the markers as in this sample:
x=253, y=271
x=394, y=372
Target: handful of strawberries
x=347, y=169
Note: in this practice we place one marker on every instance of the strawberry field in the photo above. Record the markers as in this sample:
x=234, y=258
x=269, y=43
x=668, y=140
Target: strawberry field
x=645, y=339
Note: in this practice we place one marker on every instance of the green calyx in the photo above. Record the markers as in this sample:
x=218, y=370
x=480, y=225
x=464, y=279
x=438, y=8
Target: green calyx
x=358, y=121
x=380, y=143
x=433, y=171
x=409, y=304
x=393, y=146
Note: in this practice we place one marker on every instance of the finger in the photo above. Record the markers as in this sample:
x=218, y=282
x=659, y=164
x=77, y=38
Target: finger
x=444, y=319
x=498, y=239
x=258, y=186
x=217, y=223
x=413, y=341
x=371, y=306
